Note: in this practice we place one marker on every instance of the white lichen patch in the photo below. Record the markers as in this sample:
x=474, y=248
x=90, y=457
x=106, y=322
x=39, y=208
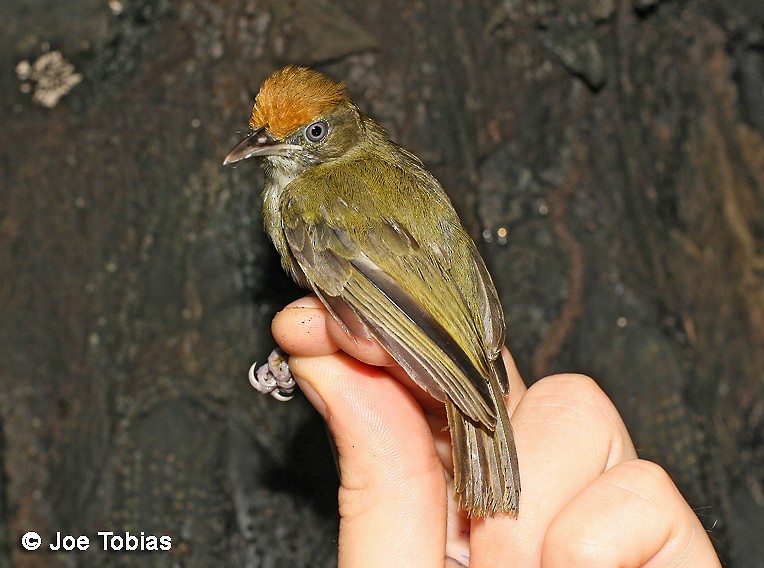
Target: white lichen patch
x=49, y=78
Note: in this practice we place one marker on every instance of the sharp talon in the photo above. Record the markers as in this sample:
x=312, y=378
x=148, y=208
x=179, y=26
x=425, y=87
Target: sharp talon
x=282, y=396
x=251, y=375
x=274, y=377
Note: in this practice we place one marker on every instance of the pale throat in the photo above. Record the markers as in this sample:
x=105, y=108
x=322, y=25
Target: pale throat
x=279, y=173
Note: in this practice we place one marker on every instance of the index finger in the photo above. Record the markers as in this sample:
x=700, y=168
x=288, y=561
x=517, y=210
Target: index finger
x=306, y=329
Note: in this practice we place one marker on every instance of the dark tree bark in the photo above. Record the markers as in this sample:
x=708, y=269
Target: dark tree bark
x=607, y=156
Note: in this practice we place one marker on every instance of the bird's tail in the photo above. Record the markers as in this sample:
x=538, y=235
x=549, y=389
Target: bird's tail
x=486, y=474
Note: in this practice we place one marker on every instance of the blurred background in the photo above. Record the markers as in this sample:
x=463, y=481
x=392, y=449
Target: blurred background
x=606, y=155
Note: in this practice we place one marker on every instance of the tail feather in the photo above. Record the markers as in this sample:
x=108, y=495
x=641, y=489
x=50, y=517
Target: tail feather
x=486, y=474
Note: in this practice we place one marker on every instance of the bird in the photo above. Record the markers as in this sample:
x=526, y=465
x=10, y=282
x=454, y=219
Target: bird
x=361, y=222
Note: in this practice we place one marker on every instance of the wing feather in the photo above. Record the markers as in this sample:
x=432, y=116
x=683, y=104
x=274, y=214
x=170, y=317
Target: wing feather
x=422, y=290
x=349, y=281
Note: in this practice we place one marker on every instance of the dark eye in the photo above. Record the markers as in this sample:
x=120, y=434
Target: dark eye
x=317, y=131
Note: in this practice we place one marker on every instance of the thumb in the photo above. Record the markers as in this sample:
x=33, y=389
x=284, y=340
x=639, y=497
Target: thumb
x=392, y=497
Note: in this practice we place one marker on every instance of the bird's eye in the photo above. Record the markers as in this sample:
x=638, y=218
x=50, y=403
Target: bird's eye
x=316, y=131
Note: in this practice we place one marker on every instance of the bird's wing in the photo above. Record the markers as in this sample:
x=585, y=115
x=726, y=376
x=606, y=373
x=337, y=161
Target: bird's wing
x=382, y=281
x=494, y=327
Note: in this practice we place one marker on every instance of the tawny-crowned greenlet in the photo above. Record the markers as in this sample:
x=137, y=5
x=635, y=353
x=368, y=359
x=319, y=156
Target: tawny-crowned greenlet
x=359, y=221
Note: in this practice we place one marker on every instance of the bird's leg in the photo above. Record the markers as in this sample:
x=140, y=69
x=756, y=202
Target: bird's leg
x=274, y=377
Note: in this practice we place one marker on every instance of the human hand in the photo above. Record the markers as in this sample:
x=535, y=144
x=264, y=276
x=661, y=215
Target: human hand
x=586, y=499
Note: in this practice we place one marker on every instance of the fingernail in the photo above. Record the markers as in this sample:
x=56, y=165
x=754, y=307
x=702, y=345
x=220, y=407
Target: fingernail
x=313, y=397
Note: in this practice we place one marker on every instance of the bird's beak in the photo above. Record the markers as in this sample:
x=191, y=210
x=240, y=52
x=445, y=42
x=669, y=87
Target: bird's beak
x=257, y=144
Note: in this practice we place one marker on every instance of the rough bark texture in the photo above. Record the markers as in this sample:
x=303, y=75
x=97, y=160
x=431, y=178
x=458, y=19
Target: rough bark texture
x=608, y=156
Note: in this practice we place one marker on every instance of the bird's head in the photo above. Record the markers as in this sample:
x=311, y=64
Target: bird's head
x=301, y=118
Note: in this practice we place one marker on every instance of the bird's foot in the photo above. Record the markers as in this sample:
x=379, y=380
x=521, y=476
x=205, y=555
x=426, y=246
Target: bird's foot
x=274, y=377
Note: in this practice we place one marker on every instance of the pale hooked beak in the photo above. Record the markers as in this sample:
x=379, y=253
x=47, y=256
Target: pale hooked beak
x=257, y=144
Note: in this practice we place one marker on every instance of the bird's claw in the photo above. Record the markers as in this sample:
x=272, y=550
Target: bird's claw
x=274, y=377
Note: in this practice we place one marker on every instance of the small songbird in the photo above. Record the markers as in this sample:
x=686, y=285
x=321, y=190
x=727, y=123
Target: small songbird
x=359, y=221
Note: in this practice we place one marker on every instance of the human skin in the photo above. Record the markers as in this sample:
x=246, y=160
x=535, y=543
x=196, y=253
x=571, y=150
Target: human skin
x=586, y=500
